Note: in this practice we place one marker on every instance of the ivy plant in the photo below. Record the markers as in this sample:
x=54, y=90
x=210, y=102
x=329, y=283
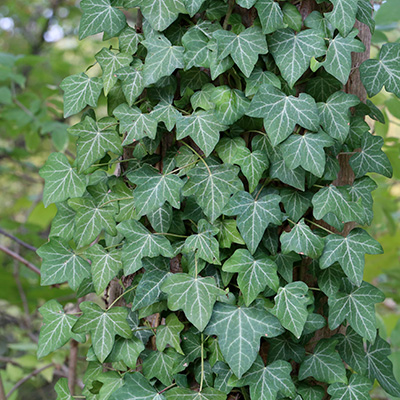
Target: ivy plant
x=202, y=221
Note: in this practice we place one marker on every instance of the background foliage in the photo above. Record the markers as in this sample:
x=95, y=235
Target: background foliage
x=35, y=59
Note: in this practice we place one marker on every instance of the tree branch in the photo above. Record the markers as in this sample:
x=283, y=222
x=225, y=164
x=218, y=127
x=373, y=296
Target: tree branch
x=2, y=392
x=19, y=241
x=22, y=260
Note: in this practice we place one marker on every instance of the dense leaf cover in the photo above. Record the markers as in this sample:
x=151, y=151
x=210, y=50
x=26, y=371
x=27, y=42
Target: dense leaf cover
x=205, y=189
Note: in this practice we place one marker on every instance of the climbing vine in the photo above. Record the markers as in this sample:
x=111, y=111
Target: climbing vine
x=204, y=222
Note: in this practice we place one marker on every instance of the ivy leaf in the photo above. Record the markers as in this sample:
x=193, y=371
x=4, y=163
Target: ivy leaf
x=203, y=127
x=136, y=387
x=285, y=264
x=169, y=334
x=110, y=62
x=358, y=388
x=281, y=112
x=95, y=141
x=111, y=381
x=253, y=165
x=307, y=151
x=302, y=240
x=207, y=393
x=324, y=364
x=371, y=158
x=61, y=264
x=132, y=81
x=254, y=216
x=103, y=326
x=296, y=203
x=129, y=40
x=322, y=86
x=148, y=291
x=293, y=52
x=383, y=72
x=259, y=77
x=380, y=367
x=203, y=244
x=335, y=114
x=244, y=48
x=160, y=13
x=167, y=113
x=361, y=189
x=56, y=328
x=127, y=351
x=135, y=124
x=266, y=381
x=365, y=15
x=194, y=295
x=338, y=56
x=162, y=365
x=228, y=148
x=99, y=16
x=141, y=243
x=357, y=306
x=228, y=233
x=79, y=91
x=292, y=17
x=291, y=307
x=284, y=348
x=292, y=177
x=61, y=180
x=63, y=224
x=105, y=266
x=162, y=58
x=270, y=14
x=343, y=16
x=91, y=218
x=154, y=189
x=338, y=201
x=255, y=273
x=212, y=187
x=62, y=390
x=350, y=252
x=239, y=330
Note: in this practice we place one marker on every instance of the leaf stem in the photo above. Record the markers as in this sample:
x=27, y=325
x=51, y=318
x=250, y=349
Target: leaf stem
x=170, y=234
x=266, y=181
x=185, y=166
x=231, y=6
x=113, y=200
x=168, y=387
x=319, y=186
x=120, y=296
x=114, y=162
x=318, y=225
x=198, y=155
x=202, y=363
x=114, y=245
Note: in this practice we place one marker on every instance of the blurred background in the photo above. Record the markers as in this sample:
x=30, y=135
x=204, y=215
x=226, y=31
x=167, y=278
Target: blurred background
x=38, y=48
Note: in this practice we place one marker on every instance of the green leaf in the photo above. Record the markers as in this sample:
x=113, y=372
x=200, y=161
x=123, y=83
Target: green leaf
x=110, y=62
x=338, y=201
x=169, y=334
x=293, y=52
x=135, y=124
x=307, y=151
x=194, y=295
x=358, y=388
x=350, y=252
x=193, y=6
x=380, y=367
x=338, y=56
x=322, y=86
x=292, y=17
x=162, y=365
x=167, y=113
x=61, y=180
x=160, y=13
x=343, y=16
x=365, y=14
x=296, y=203
x=302, y=240
x=129, y=40
x=161, y=218
x=91, y=218
x=187, y=394
x=324, y=364
x=255, y=273
x=254, y=216
x=203, y=244
x=291, y=307
x=383, y=72
x=371, y=158
x=62, y=390
x=162, y=58
x=228, y=148
x=99, y=16
x=239, y=330
x=141, y=243
x=127, y=351
x=132, y=81
x=56, y=328
x=105, y=266
x=253, y=165
x=281, y=113
x=95, y=140
x=335, y=114
x=212, y=187
x=266, y=381
x=228, y=233
x=223, y=373
x=103, y=326
x=292, y=177
x=80, y=91
x=111, y=381
x=61, y=264
x=357, y=306
x=203, y=127
x=136, y=387
x=63, y=224
x=284, y=348
x=285, y=264
x=259, y=77
x=154, y=189
x=244, y=48
x=270, y=15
